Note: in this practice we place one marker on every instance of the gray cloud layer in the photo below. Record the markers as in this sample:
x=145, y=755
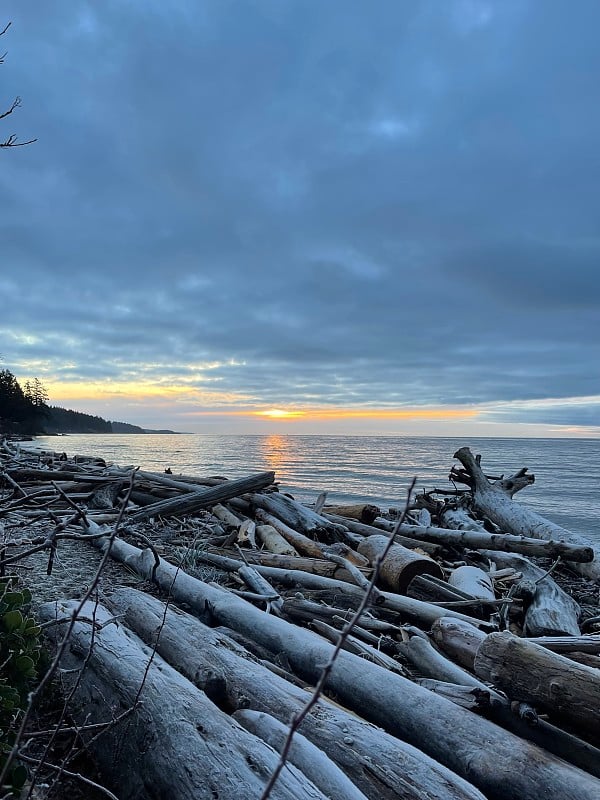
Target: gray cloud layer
x=343, y=203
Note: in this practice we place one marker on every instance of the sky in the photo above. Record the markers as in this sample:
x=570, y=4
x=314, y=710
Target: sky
x=305, y=217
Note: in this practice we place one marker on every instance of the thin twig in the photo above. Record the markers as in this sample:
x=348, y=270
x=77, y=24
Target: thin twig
x=76, y=775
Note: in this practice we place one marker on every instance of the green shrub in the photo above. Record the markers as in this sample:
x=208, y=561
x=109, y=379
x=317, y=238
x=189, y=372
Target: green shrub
x=19, y=654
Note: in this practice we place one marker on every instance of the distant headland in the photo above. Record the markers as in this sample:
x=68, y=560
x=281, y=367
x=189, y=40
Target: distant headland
x=25, y=410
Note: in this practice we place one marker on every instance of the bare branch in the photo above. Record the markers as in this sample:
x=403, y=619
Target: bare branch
x=15, y=104
x=12, y=142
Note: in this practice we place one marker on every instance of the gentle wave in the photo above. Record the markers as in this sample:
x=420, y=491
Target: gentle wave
x=374, y=468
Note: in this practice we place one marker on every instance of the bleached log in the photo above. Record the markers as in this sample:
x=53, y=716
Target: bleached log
x=317, y=566
x=381, y=766
x=400, y=564
x=226, y=516
x=295, y=514
x=551, y=612
x=303, y=544
x=473, y=581
x=432, y=664
x=433, y=590
x=458, y=519
x=555, y=740
x=178, y=741
x=458, y=639
x=417, y=610
x=274, y=542
x=505, y=768
x=532, y=674
x=482, y=540
x=309, y=759
x=361, y=529
x=495, y=501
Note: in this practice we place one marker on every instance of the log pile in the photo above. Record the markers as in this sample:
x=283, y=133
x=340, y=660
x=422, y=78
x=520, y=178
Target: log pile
x=470, y=669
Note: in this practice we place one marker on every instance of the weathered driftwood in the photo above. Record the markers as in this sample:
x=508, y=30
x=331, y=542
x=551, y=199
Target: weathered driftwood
x=177, y=742
x=471, y=698
x=352, y=644
x=226, y=516
x=400, y=565
x=303, y=544
x=362, y=512
x=361, y=529
x=317, y=566
x=551, y=612
x=417, y=610
x=309, y=759
x=190, y=502
x=458, y=639
x=459, y=519
x=381, y=766
x=495, y=501
x=274, y=542
x=432, y=589
x=533, y=674
x=432, y=664
x=473, y=581
x=295, y=514
x=482, y=540
x=555, y=740
x=505, y=768
x=586, y=643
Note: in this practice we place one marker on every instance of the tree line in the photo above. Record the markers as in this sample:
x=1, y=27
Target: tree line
x=24, y=410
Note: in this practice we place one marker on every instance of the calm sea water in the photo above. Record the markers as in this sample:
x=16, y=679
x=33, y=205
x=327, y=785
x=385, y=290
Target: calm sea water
x=378, y=469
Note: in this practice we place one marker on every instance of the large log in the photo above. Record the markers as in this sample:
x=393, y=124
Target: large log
x=432, y=664
x=533, y=674
x=381, y=766
x=178, y=742
x=311, y=761
x=482, y=540
x=551, y=611
x=504, y=769
x=190, y=502
x=400, y=564
x=296, y=515
x=494, y=500
x=458, y=639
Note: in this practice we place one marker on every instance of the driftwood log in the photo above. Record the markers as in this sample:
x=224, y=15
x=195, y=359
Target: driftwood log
x=533, y=674
x=177, y=743
x=494, y=500
x=506, y=768
x=473, y=581
x=482, y=540
x=203, y=498
x=551, y=611
x=381, y=766
x=400, y=564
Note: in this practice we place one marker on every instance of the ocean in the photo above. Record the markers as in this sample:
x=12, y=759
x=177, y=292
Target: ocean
x=377, y=469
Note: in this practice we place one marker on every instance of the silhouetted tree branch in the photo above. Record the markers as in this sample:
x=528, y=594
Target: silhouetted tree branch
x=11, y=141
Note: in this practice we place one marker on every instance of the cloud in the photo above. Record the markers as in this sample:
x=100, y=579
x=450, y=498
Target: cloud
x=390, y=207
